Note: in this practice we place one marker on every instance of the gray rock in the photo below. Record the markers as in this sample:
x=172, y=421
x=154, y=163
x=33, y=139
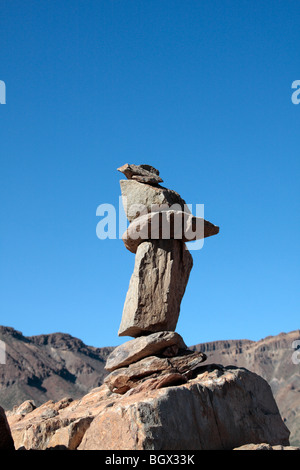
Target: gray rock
x=139, y=199
x=157, y=285
x=26, y=407
x=144, y=346
x=142, y=173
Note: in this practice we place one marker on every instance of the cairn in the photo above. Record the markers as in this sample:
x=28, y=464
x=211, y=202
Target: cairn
x=160, y=226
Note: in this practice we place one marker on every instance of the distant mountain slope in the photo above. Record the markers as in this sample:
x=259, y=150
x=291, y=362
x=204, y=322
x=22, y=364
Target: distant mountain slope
x=48, y=367
x=270, y=358
x=51, y=367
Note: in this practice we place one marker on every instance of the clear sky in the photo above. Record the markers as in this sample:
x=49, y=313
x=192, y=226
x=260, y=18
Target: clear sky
x=199, y=89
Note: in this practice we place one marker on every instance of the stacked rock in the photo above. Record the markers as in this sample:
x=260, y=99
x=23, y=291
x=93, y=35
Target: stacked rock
x=160, y=224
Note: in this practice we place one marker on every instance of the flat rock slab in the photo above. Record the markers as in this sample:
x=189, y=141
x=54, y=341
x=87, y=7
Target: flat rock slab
x=139, y=199
x=138, y=348
x=162, y=369
x=167, y=225
x=157, y=285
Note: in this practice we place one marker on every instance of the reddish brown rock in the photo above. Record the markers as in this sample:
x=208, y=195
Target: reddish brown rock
x=178, y=369
x=221, y=408
x=58, y=425
x=48, y=367
x=144, y=346
x=272, y=359
x=123, y=379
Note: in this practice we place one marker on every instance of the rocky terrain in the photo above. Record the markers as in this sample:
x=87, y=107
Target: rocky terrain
x=52, y=367
x=271, y=358
x=48, y=367
x=220, y=408
x=157, y=394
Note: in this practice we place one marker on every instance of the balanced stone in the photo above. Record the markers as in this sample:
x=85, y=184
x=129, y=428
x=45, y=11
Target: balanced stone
x=142, y=173
x=168, y=224
x=160, y=224
x=123, y=379
x=157, y=285
x=138, y=348
x=139, y=199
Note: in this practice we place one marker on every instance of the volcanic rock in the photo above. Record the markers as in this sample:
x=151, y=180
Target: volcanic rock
x=214, y=411
x=53, y=366
x=48, y=367
x=139, y=199
x=157, y=285
x=6, y=441
x=264, y=446
x=221, y=408
x=272, y=359
x=142, y=173
x=168, y=224
x=179, y=369
x=138, y=348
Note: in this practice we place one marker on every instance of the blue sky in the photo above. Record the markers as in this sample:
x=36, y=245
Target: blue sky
x=199, y=89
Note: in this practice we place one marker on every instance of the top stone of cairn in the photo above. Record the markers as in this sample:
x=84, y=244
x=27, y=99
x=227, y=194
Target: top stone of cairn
x=142, y=173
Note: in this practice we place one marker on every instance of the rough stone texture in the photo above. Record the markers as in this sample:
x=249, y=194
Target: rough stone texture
x=58, y=364
x=141, y=173
x=144, y=346
x=70, y=436
x=25, y=407
x=147, y=179
x=59, y=425
x=139, y=199
x=6, y=441
x=265, y=446
x=272, y=359
x=167, y=225
x=221, y=408
x=48, y=367
x=178, y=369
x=157, y=285
x=123, y=379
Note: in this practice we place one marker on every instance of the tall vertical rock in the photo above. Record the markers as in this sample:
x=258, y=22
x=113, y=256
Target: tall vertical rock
x=157, y=285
